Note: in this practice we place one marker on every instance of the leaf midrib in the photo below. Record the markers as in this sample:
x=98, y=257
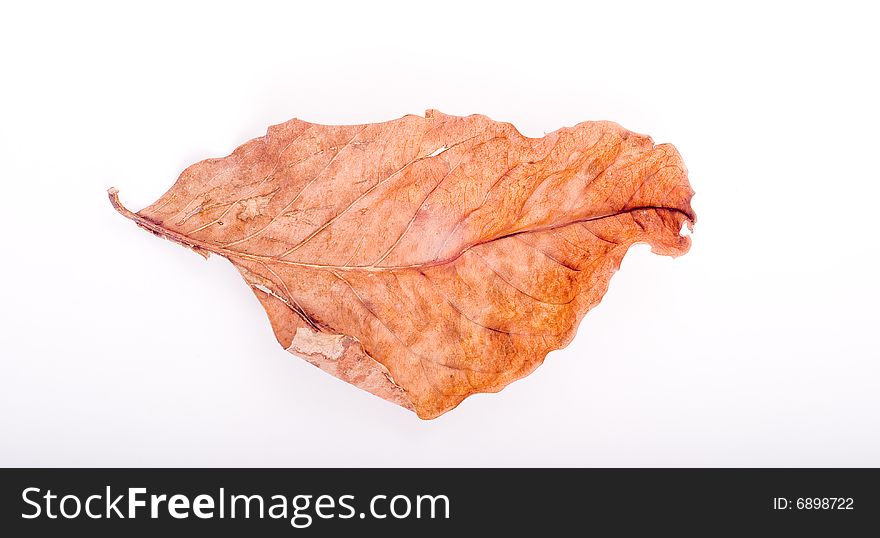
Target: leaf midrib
x=202, y=247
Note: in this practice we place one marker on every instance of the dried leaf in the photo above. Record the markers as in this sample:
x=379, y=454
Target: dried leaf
x=426, y=259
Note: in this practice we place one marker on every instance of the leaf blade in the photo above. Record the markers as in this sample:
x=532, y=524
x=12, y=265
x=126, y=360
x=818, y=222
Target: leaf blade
x=452, y=254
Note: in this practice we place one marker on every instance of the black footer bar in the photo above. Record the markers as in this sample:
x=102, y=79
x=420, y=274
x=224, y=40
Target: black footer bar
x=441, y=502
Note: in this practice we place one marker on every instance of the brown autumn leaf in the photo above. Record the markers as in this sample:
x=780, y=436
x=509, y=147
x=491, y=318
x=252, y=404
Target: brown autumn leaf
x=426, y=259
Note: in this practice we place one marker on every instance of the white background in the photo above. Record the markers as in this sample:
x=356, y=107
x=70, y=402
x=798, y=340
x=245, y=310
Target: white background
x=758, y=348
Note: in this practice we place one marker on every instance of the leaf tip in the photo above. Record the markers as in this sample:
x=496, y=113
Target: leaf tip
x=113, y=194
x=152, y=227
